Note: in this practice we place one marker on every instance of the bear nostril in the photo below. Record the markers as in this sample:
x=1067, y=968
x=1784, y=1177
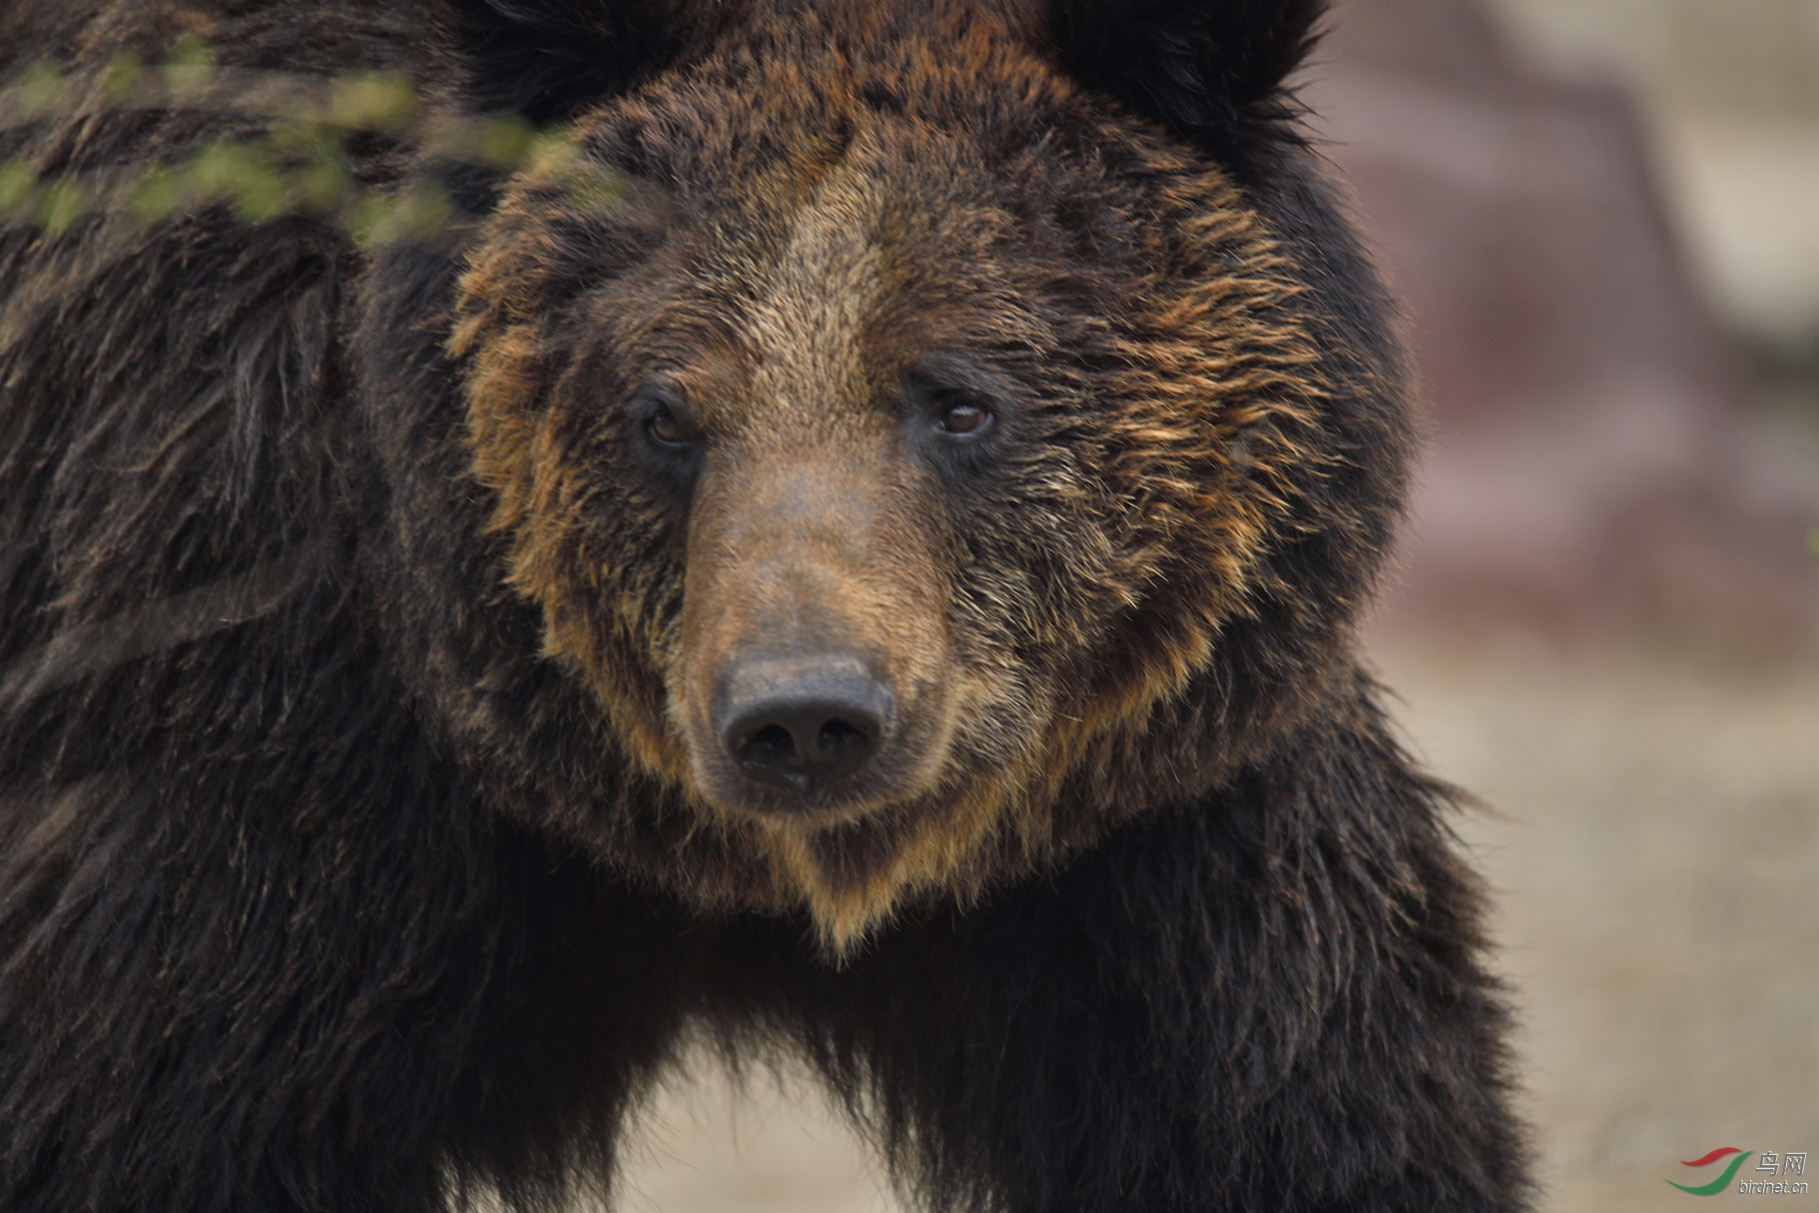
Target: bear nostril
x=801, y=722
x=838, y=737
x=769, y=746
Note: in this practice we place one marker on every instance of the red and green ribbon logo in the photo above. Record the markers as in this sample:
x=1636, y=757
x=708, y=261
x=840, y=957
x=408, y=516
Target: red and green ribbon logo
x=1723, y=1181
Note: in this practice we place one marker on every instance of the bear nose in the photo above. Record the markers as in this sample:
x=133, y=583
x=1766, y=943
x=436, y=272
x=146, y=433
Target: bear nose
x=802, y=722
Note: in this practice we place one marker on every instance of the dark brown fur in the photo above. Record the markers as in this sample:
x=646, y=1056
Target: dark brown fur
x=359, y=776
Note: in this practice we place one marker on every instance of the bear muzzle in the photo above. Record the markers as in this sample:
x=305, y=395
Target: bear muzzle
x=814, y=680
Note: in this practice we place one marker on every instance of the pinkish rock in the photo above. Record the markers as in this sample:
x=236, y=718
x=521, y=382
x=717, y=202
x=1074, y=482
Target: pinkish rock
x=1595, y=466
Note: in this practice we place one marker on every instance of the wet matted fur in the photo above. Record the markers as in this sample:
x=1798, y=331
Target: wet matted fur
x=369, y=830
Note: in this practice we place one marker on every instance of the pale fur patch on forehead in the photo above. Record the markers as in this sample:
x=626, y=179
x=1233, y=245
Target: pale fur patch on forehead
x=806, y=326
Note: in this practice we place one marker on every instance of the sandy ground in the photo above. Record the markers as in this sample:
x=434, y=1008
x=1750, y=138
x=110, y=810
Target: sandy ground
x=1657, y=873
x=1655, y=852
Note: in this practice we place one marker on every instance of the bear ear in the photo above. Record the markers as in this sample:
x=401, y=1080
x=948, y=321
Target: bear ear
x=550, y=59
x=1209, y=70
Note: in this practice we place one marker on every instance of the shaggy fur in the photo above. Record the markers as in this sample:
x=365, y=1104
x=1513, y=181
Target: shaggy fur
x=365, y=841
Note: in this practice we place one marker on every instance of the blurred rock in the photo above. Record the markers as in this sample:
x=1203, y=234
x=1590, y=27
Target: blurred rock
x=1596, y=468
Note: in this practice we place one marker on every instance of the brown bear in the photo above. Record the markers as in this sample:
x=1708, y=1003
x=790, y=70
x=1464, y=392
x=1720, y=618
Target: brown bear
x=876, y=578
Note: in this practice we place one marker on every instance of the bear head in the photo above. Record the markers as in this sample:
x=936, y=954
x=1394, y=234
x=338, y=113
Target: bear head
x=956, y=429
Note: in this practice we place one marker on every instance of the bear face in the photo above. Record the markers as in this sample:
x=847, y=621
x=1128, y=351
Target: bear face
x=912, y=440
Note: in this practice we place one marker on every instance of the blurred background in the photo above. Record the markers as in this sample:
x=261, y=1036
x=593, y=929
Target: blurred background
x=1604, y=217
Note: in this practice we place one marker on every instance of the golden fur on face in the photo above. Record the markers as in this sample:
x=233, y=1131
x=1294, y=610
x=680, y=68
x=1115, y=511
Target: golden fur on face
x=785, y=262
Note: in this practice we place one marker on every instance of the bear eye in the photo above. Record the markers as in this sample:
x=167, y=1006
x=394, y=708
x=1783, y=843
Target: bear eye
x=664, y=421
x=665, y=430
x=958, y=413
x=965, y=416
